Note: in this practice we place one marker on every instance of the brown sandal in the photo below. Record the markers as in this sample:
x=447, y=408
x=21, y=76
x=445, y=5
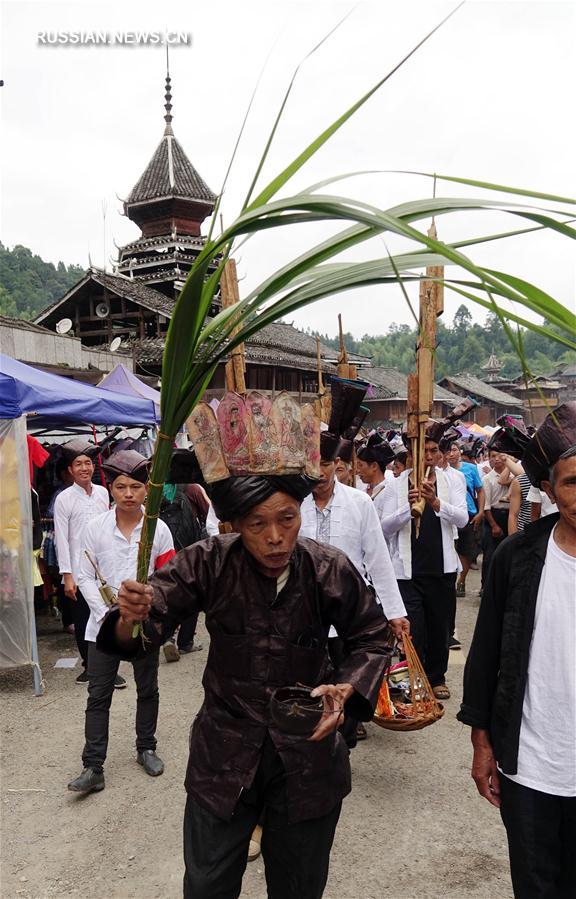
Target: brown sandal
x=441, y=691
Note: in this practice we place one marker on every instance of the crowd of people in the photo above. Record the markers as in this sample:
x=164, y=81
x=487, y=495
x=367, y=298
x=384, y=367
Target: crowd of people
x=313, y=581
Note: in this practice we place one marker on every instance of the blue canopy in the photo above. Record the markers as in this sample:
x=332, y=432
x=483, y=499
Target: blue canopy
x=25, y=389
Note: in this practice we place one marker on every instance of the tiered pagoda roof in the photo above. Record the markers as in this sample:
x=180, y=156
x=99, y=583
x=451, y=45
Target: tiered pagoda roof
x=169, y=202
x=170, y=174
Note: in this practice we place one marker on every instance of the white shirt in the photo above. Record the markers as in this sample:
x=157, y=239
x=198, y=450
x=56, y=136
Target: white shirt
x=116, y=558
x=397, y=525
x=497, y=496
x=212, y=522
x=535, y=495
x=547, y=747
x=383, y=496
x=355, y=529
x=73, y=509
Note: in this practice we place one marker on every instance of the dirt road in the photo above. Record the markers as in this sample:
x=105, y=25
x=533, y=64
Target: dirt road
x=413, y=828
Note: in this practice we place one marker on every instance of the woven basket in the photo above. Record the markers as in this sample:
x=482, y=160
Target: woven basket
x=424, y=707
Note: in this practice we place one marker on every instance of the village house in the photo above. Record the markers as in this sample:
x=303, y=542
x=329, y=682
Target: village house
x=492, y=402
x=388, y=398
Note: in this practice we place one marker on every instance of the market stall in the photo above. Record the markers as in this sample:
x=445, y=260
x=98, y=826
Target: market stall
x=28, y=394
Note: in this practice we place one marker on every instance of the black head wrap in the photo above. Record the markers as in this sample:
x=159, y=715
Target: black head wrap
x=79, y=446
x=236, y=496
x=471, y=448
x=184, y=468
x=452, y=435
x=345, y=448
x=126, y=462
x=346, y=417
x=376, y=449
x=329, y=445
x=556, y=434
x=435, y=430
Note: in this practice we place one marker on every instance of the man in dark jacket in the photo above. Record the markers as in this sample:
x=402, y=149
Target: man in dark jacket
x=520, y=677
x=269, y=600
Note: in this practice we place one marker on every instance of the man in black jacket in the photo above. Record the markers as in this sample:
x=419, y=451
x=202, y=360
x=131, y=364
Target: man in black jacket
x=520, y=677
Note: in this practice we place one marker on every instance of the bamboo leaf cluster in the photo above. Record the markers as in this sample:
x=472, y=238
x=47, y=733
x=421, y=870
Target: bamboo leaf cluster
x=196, y=345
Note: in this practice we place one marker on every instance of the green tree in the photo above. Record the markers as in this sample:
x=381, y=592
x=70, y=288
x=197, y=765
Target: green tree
x=29, y=284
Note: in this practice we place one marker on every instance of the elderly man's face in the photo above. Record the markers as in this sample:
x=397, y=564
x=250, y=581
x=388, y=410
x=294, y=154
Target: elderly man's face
x=563, y=490
x=269, y=532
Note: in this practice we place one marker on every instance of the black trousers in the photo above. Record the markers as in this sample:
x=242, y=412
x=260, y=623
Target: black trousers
x=431, y=607
x=489, y=542
x=80, y=615
x=102, y=669
x=541, y=833
x=296, y=856
x=186, y=631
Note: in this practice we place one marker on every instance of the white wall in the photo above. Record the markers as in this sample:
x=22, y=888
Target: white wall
x=44, y=348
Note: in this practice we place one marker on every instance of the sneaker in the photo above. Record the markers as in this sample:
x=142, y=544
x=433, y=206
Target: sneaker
x=83, y=677
x=171, y=652
x=454, y=643
x=119, y=683
x=190, y=647
x=460, y=589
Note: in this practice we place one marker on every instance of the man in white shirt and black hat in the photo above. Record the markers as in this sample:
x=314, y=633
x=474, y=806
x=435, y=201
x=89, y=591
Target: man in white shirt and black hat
x=73, y=509
x=520, y=676
x=424, y=559
x=110, y=555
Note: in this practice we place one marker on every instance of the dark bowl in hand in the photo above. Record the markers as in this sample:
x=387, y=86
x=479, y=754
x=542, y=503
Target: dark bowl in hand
x=294, y=711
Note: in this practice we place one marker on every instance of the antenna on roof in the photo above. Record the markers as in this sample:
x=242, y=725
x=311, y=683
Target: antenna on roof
x=64, y=326
x=104, y=209
x=168, y=97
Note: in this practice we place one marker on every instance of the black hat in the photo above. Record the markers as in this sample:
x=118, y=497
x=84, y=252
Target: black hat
x=329, y=445
x=345, y=449
x=376, y=449
x=184, y=468
x=128, y=463
x=452, y=435
x=79, y=446
x=234, y=497
x=556, y=434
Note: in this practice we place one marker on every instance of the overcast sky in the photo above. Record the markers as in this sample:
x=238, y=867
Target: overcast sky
x=490, y=96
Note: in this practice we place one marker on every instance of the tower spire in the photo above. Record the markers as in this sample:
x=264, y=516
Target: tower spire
x=168, y=98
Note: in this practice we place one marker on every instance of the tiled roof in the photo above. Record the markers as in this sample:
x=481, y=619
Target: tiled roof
x=476, y=387
x=22, y=325
x=277, y=344
x=170, y=174
x=390, y=383
x=122, y=286
x=285, y=336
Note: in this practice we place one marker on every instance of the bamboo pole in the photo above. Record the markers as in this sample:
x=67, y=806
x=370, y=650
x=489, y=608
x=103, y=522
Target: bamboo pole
x=343, y=364
x=421, y=383
x=346, y=370
x=235, y=368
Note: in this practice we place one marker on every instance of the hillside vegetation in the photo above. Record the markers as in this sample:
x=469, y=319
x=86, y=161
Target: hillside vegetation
x=463, y=346
x=28, y=284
